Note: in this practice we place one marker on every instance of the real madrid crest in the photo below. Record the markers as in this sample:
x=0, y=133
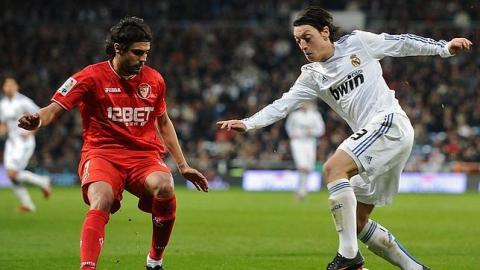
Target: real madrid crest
x=144, y=90
x=355, y=60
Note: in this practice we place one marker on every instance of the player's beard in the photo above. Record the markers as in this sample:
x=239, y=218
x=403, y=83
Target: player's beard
x=132, y=69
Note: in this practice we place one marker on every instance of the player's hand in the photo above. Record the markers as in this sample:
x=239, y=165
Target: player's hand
x=194, y=176
x=236, y=125
x=459, y=44
x=29, y=121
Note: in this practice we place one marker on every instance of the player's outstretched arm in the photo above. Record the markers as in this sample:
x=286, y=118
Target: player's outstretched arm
x=275, y=111
x=236, y=125
x=169, y=136
x=46, y=115
x=458, y=45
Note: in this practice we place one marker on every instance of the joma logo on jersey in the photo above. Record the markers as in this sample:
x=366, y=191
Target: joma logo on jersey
x=113, y=90
x=353, y=81
x=130, y=116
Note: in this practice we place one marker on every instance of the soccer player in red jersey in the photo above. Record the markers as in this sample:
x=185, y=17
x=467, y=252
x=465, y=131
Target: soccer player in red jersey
x=125, y=131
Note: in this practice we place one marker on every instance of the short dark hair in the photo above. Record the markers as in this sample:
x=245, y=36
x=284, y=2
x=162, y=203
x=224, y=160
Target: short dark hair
x=318, y=18
x=125, y=33
x=8, y=76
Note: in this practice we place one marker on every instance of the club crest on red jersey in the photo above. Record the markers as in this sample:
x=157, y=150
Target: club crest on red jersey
x=144, y=90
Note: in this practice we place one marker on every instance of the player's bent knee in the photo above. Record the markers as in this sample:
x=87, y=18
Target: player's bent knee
x=164, y=189
x=327, y=169
x=102, y=203
x=331, y=172
x=160, y=185
x=100, y=196
x=12, y=175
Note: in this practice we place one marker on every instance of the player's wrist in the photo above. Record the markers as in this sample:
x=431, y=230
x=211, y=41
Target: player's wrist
x=39, y=124
x=447, y=52
x=182, y=165
x=248, y=126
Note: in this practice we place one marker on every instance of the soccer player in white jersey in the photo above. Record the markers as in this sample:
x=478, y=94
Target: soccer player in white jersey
x=19, y=145
x=365, y=170
x=304, y=126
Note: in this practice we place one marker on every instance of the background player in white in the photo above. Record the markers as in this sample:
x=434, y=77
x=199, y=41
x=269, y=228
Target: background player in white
x=304, y=126
x=19, y=145
x=365, y=169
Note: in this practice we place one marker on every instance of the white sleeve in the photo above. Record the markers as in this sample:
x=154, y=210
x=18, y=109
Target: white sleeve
x=319, y=128
x=384, y=44
x=301, y=91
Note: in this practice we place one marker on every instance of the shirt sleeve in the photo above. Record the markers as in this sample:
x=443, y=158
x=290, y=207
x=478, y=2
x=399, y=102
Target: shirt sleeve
x=381, y=45
x=161, y=106
x=304, y=89
x=73, y=90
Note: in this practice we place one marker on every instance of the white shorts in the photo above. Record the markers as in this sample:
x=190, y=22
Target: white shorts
x=17, y=153
x=380, y=150
x=304, y=153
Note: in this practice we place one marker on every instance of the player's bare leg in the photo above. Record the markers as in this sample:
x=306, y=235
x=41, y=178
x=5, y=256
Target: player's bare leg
x=343, y=204
x=101, y=198
x=160, y=185
x=381, y=242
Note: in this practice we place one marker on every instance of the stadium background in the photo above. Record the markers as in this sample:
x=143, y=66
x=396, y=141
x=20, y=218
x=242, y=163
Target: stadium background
x=227, y=59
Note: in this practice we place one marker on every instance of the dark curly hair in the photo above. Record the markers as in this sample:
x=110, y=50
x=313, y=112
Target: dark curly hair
x=126, y=32
x=318, y=18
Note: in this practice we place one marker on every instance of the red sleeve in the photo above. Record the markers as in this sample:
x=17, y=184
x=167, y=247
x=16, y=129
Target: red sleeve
x=161, y=103
x=73, y=90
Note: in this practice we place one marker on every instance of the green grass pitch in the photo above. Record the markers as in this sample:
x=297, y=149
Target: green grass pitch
x=237, y=230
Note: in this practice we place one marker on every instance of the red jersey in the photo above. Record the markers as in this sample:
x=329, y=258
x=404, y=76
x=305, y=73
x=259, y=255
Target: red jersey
x=117, y=113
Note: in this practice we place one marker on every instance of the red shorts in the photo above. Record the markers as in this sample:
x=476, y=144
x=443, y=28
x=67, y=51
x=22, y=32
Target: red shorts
x=122, y=169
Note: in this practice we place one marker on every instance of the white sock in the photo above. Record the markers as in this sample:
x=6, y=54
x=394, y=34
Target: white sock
x=381, y=242
x=152, y=263
x=343, y=206
x=302, y=184
x=29, y=177
x=22, y=193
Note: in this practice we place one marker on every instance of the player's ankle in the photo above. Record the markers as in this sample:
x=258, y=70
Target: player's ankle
x=152, y=262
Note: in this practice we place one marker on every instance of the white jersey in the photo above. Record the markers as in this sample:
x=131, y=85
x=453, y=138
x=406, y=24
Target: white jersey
x=351, y=81
x=11, y=110
x=303, y=128
x=302, y=124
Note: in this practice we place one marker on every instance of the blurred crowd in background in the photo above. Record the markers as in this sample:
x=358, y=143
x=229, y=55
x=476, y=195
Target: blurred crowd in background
x=227, y=59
